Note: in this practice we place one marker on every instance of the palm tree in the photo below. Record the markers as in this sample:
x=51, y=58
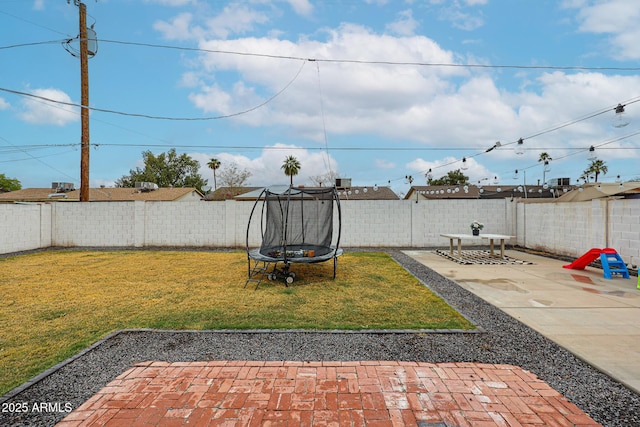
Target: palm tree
x=291, y=167
x=596, y=167
x=214, y=164
x=545, y=158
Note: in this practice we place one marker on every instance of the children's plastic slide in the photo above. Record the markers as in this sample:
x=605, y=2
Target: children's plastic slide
x=588, y=258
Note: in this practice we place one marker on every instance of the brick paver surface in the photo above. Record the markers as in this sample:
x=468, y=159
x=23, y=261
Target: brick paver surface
x=365, y=393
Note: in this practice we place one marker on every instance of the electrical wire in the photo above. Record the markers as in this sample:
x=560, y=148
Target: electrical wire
x=74, y=179
x=148, y=116
x=548, y=130
x=32, y=44
x=317, y=60
x=327, y=160
x=377, y=62
x=32, y=23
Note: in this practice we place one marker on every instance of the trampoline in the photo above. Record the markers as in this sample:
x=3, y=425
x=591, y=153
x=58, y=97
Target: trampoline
x=296, y=226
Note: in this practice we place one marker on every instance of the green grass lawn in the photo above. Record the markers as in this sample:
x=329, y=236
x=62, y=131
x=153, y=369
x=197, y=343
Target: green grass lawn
x=55, y=303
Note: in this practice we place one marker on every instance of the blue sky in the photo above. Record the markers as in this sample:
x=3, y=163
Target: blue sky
x=371, y=90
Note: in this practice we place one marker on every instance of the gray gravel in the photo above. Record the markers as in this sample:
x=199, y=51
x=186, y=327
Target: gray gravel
x=504, y=340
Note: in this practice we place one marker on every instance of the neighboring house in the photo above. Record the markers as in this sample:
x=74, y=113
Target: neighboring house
x=350, y=193
x=228, y=193
x=344, y=192
x=590, y=191
x=438, y=192
x=367, y=193
x=102, y=195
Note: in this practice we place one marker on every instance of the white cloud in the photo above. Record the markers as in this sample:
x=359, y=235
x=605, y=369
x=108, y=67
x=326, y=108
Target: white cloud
x=265, y=168
x=38, y=111
x=384, y=164
x=618, y=18
x=38, y=5
x=235, y=18
x=356, y=97
x=430, y=105
x=462, y=20
x=4, y=105
x=301, y=7
x=172, y=2
x=405, y=25
x=179, y=28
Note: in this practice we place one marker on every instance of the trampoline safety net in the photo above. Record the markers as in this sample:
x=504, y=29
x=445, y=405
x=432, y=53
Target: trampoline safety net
x=298, y=220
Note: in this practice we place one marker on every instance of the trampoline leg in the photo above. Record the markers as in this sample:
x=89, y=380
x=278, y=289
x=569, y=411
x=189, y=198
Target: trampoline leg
x=335, y=266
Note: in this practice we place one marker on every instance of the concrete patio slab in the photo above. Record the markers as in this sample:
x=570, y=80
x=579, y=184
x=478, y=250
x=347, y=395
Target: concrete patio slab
x=595, y=318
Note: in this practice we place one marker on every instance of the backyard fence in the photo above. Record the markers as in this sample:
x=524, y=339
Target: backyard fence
x=562, y=228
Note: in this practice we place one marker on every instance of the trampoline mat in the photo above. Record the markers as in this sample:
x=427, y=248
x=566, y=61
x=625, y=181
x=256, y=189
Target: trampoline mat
x=297, y=254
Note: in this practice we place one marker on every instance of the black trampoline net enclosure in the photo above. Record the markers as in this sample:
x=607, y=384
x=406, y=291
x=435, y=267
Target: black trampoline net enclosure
x=297, y=223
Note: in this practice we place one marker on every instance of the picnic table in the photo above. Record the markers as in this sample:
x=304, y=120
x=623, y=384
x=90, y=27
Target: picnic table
x=490, y=237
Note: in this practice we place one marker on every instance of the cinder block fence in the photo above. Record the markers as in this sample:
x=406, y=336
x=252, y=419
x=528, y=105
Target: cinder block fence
x=562, y=228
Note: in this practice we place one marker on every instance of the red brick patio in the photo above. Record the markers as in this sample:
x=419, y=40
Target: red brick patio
x=371, y=393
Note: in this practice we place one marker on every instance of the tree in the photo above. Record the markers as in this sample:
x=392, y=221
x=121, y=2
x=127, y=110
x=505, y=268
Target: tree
x=596, y=167
x=232, y=176
x=545, y=158
x=9, y=184
x=214, y=164
x=325, y=180
x=291, y=167
x=455, y=177
x=165, y=170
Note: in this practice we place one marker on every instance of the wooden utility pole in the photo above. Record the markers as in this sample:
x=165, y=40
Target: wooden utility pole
x=84, y=82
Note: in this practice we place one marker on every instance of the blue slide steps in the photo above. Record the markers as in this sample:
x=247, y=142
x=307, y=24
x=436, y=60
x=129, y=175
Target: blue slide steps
x=612, y=264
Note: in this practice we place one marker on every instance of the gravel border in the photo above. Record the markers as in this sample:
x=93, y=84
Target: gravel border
x=502, y=339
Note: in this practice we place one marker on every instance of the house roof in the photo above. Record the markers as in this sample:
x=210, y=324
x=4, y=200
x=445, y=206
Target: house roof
x=438, y=192
x=601, y=190
x=367, y=193
x=98, y=195
x=351, y=193
x=227, y=193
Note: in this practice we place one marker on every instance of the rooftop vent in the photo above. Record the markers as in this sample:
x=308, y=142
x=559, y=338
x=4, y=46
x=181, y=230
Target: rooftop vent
x=559, y=182
x=62, y=187
x=57, y=196
x=146, y=186
x=343, y=182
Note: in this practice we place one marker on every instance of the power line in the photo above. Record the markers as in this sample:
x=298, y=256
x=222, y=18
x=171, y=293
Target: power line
x=74, y=179
x=32, y=44
x=148, y=116
x=346, y=60
x=32, y=23
x=337, y=148
x=548, y=130
x=377, y=62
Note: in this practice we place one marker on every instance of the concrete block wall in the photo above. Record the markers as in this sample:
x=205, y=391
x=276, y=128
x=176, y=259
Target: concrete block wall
x=563, y=228
x=375, y=223
x=431, y=218
x=573, y=228
x=93, y=224
x=24, y=227
x=624, y=229
x=184, y=224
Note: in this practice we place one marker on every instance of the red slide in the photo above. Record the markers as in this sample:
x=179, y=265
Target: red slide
x=588, y=258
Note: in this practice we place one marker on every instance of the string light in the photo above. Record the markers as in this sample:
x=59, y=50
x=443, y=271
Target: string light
x=619, y=120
